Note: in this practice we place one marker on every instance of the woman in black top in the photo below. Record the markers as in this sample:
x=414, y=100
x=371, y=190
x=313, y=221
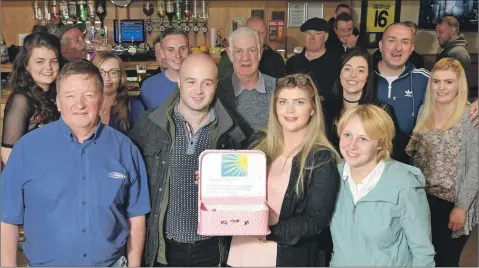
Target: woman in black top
x=32, y=101
x=354, y=85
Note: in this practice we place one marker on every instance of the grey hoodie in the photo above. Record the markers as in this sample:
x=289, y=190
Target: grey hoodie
x=456, y=49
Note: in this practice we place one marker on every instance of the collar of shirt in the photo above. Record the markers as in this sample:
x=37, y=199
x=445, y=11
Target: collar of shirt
x=359, y=190
x=238, y=87
x=177, y=114
x=66, y=131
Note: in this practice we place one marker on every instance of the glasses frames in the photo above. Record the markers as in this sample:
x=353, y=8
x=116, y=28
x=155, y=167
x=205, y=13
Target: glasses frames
x=113, y=73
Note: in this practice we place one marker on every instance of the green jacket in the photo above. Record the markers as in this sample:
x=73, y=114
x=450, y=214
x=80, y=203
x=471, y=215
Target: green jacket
x=390, y=226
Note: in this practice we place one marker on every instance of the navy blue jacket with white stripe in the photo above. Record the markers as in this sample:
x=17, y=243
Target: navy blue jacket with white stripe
x=405, y=94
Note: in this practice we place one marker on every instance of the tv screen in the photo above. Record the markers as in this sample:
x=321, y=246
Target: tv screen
x=465, y=12
x=132, y=31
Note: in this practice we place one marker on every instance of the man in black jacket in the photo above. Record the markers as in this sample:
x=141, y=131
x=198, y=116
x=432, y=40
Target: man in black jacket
x=171, y=138
x=342, y=37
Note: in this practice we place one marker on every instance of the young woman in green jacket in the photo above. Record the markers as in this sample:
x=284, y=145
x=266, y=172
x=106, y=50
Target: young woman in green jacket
x=382, y=216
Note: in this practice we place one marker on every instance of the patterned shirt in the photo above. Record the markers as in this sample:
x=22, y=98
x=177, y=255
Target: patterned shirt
x=182, y=211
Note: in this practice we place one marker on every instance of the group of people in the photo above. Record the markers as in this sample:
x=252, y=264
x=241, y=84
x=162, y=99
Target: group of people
x=370, y=165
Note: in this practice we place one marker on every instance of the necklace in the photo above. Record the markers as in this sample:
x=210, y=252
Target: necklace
x=348, y=101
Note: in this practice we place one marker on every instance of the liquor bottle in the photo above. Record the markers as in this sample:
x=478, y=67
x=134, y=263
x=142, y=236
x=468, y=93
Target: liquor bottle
x=170, y=11
x=37, y=12
x=72, y=11
x=178, y=11
x=55, y=11
x=82, y=11
x=64, y=11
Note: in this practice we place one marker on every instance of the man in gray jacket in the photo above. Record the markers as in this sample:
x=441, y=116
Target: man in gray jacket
x=453, y=44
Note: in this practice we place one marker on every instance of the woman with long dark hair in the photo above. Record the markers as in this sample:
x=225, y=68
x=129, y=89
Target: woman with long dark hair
x=118, y=110
x=355, y=85
x=32, y=101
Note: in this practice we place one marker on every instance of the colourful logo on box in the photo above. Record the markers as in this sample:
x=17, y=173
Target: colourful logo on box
x=234, y=165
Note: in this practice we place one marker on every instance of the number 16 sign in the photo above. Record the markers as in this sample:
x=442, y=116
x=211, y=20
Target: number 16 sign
x=380, y=15
x=376, y=16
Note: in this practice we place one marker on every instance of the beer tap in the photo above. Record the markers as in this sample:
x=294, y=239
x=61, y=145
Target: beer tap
x=196, y=28
x=101, y=13
x=148, y=10
x=204, y=14
x=91, y=16
x=187, y=14
x=170, y=11
x=160, y=11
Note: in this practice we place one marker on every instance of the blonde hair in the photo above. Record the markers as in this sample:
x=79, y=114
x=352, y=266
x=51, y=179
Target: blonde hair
x=426, y=119
x=242, y=32
x=121, y=108
x=315, y=138
x=377, y=124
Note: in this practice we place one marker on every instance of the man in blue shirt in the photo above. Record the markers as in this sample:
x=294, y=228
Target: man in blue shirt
x=78, y=187
x=174, y=48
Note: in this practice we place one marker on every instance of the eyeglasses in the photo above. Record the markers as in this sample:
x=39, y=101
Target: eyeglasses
x=294, y=81
x=113, y=73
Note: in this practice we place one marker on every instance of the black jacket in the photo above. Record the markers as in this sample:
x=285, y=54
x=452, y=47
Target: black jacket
x=303, y=218
x=153, y=134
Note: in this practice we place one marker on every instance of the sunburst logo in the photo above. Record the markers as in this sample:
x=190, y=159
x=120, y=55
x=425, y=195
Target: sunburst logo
x=234, y=165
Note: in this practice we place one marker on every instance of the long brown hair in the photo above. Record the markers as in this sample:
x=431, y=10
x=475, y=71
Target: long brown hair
x=315, y=139
x=121, y=108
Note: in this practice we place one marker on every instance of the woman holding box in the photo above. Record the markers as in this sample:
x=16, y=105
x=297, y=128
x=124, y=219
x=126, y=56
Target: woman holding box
x=302, y=181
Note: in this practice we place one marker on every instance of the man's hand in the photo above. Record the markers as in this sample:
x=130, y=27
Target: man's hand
x=457, y=218
x=473, y=113
x=352, y=40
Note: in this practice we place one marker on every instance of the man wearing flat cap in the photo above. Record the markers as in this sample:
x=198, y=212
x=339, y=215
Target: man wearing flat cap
x=72, y=42
x=321, y=64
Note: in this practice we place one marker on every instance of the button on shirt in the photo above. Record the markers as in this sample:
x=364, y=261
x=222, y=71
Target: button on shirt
x=73, y=198
x=361, y=189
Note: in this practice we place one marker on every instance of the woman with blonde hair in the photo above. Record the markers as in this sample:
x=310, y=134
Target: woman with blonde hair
x=302, y=179
x=118, y=110
x=382, y=215
x=444, y=146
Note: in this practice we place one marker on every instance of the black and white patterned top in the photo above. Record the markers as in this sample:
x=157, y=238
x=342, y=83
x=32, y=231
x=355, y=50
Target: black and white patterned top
x=182, y=211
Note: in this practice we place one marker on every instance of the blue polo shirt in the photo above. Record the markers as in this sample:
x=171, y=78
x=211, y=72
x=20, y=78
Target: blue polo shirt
x=73, y=198
x=155, y=90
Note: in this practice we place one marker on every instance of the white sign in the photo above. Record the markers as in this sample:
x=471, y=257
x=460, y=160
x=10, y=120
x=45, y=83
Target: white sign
x=296, y=13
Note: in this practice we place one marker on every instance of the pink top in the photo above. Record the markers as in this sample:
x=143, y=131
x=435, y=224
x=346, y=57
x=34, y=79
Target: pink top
x=250, y=250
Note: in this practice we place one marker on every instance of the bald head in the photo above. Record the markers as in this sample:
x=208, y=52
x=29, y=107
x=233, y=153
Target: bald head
x=198, y=61
x=257, y=24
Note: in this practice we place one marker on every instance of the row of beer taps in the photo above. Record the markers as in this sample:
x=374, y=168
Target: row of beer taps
x=185, y=14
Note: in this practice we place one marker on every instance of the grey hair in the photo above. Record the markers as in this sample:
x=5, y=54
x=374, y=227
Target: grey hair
x=80, y=67
x=242, y=32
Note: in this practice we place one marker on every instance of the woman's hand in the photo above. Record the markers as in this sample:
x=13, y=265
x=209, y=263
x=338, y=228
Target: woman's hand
x=197, y=180
x=457, y=218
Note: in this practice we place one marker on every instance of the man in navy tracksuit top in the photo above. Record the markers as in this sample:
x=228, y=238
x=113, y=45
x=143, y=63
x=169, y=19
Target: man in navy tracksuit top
x=400, y=84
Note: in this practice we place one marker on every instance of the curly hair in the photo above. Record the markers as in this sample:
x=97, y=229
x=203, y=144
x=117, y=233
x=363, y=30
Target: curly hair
x=21, y=81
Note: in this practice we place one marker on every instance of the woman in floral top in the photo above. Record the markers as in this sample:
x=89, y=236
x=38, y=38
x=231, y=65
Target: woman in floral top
x=444, y=146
